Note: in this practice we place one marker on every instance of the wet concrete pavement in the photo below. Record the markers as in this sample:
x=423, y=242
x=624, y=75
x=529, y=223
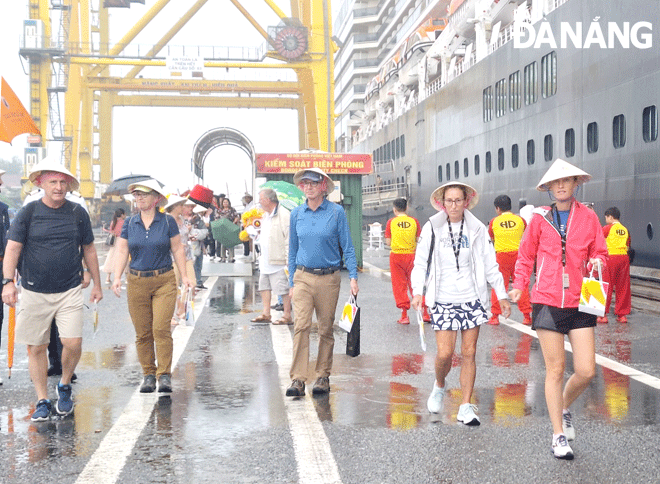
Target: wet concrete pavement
x=228, y=420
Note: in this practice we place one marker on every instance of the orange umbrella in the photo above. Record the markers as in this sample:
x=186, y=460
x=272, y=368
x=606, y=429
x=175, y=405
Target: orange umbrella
x=14, y=119
x=10, y=338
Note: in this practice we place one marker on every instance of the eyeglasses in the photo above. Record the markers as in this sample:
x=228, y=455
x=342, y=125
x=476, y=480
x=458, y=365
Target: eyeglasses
x=458, y=202
x=309, y=183
x=137, y=194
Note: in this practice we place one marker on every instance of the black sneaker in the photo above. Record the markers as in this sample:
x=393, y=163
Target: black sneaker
x=165, y=383
x=279, y=307
x=64, y=405
x=42, y=412
x=297, y=389
x=321, y=386
x=201, y=286
x=149, y=384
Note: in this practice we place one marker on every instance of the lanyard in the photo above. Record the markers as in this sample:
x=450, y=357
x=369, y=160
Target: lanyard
x=456, y=247
x=562, y=233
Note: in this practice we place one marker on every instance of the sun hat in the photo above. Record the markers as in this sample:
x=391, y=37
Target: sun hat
x=173, y=200
x=146, y=186
x=562, y=169
x=438, y=195
x=49, y=164
x=313, y=174
x=199, y=209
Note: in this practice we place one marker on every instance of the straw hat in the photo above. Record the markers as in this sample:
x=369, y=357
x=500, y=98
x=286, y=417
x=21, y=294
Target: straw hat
x=561, y=169
x=438, y=195
x=49, y=164
x=314, y=174
x=173, y=200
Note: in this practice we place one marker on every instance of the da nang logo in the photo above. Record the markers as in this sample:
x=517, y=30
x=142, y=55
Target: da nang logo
x=585, y=36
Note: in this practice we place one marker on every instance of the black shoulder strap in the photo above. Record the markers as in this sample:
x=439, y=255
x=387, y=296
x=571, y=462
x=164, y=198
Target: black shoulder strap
x=428, y=262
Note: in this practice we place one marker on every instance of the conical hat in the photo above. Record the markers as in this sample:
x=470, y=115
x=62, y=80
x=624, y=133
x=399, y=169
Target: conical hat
x=50, y=164
x=562, y=169
x=438, y=195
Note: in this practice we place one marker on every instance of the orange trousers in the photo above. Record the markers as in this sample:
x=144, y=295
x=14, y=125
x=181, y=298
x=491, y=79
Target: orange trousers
x=507, y=263
x=618, y=275
x=401, y=266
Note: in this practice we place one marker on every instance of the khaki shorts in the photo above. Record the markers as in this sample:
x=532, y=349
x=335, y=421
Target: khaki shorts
x=37, y=311
x=277, y=282
x=190, y=272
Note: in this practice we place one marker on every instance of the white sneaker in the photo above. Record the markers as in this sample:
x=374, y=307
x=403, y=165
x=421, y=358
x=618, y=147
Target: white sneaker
x=567, y=426
x=466, y=414
x=435, y=403
x=561, y=449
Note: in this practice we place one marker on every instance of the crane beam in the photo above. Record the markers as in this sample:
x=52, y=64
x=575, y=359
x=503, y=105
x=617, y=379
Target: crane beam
x=185, y=85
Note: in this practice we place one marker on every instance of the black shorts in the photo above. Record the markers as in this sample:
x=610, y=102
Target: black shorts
x=561, y=320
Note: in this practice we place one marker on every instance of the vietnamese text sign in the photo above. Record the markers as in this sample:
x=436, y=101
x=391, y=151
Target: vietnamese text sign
x=331, y=163
x=189, y=65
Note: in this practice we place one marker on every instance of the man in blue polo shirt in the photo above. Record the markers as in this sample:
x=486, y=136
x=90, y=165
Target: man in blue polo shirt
x=318, y=231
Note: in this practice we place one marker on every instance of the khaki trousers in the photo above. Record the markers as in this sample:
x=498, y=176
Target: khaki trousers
x=151, y=302
x=313, y=293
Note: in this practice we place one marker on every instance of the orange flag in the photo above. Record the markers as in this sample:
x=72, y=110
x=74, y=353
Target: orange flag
x=14, y=119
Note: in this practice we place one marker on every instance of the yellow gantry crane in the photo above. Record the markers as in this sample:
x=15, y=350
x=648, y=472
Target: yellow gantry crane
x=73, y=93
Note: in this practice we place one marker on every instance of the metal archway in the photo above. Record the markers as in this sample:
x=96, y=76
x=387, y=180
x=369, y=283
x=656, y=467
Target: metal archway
x=220, y=137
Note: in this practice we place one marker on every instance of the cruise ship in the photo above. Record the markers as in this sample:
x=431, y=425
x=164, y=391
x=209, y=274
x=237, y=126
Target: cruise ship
x=504, y=89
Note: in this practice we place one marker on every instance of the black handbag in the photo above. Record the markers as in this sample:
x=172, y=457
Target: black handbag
x=110, y=240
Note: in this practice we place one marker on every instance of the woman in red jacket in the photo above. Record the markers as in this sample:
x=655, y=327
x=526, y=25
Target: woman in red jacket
x=565, y=241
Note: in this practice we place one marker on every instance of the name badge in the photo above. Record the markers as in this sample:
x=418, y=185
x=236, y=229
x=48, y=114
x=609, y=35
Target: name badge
x=565, y=277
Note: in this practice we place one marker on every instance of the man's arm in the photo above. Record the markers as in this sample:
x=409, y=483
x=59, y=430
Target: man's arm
x=92, y=263
x=9, y=263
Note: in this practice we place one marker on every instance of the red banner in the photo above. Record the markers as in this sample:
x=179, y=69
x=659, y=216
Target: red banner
x=331, y=163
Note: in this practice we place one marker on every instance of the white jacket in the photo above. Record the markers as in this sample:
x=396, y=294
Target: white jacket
x=484, y=264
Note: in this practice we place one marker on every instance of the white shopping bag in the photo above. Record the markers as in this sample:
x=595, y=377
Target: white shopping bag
x=593, y=295
x=348, y=314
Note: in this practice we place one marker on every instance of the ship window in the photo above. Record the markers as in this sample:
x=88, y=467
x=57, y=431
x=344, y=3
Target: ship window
x=488, y=104
x=466, y=168
x=388, y=153
x=514, y=156
x=549, y=74
x=419, y=178
x=530, y=83
x=592, y=137
x=398, y=149
x=531, y=152
x=500, y=98
x=403, y=145
x=548, y=148
x=500, y=159
x=569, y=142
x=477, y=167
x=448, y=171
x=619, y=131
x=456, y=169
x=650, y=124
x=489, y=166
x=375, y=156
x=514, y=91
x=393, y=149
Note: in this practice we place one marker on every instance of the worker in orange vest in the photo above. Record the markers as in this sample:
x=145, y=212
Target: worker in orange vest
x=617, y=238
x=506, y=231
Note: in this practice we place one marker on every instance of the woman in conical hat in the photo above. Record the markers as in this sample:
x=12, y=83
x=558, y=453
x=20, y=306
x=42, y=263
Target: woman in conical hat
x=454, y=263
x=564, y=240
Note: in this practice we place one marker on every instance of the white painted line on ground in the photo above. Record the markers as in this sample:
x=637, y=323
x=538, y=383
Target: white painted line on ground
x=106, y=464
x=316, y=464
x=604, y=361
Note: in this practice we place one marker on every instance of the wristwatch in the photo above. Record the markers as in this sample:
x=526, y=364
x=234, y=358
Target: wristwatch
x=6, y=281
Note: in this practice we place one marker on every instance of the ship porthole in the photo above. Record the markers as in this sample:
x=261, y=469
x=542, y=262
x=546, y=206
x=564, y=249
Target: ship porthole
x=649, y=231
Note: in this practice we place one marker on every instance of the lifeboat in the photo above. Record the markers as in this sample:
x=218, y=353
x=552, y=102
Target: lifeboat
x=415, y=47
x=389, y=75
x=372, y=96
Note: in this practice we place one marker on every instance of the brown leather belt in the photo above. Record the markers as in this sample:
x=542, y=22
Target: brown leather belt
x=157, y=272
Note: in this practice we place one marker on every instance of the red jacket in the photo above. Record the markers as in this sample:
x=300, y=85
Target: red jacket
x=541, y=243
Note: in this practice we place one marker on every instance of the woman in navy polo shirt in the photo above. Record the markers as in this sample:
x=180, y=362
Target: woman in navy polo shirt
x=151, y=237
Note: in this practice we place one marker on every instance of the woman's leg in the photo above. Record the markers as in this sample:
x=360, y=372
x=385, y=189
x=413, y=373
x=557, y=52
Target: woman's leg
x=446, y=342
x=552, y=346
x=468, y=365
x=584, y=363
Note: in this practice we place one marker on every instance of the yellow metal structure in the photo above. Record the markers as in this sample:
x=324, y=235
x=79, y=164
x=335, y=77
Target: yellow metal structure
x=91, y=92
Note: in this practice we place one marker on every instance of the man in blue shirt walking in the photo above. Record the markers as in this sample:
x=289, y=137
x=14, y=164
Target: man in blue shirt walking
x=318, y=231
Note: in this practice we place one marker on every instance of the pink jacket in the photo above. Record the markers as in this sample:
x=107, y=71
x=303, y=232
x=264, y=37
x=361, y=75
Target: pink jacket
x=541, y=243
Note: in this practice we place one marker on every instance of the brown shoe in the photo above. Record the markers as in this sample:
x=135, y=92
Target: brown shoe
x=321, y=386
x=297, y=389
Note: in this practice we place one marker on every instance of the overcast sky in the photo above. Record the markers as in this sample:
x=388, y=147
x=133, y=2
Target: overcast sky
x=159, y=141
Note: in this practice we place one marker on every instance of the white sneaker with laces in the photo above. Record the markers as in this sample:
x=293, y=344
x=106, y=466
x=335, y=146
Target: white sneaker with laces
x=561, y=449
x=435, y=403
x=567, y=425
x=467, y=415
